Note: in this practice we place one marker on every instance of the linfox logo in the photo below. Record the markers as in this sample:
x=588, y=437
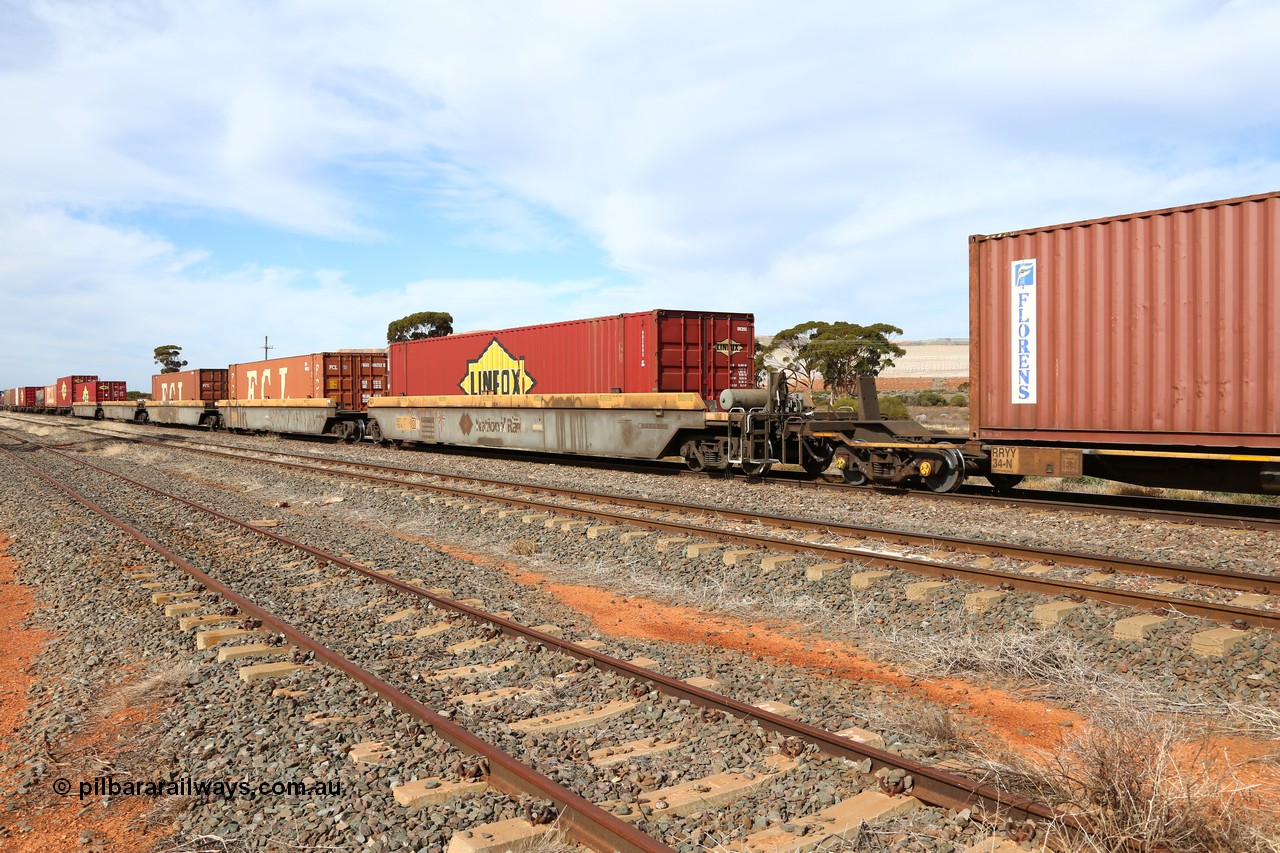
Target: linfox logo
x=728, y=347
x=496, y=371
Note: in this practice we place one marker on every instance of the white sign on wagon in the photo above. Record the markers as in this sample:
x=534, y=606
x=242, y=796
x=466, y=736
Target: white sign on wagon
x=1023, y=317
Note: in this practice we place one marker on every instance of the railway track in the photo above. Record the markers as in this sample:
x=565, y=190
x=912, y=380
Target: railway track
x=1240, y=600
x=1180, y=511
x=888, y=780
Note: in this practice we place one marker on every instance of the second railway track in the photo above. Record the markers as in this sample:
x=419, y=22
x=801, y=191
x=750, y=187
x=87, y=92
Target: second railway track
x=1238, y=599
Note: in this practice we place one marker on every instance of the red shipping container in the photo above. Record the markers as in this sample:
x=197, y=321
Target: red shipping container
x=349, y=378
x=1157, y=328
x=100, y=392
x=28, y=396
x=205, y=385
x=66, y=389
x=48, y=396
x=702, y=352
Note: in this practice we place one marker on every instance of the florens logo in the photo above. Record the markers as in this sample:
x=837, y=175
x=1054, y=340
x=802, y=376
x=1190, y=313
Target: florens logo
x=496, y=371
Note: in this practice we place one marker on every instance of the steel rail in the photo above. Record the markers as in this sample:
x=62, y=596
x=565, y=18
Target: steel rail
x=1041, y=500
x=1221, y=578
x=931, y=785
x=579, y=818
x=1219, y=612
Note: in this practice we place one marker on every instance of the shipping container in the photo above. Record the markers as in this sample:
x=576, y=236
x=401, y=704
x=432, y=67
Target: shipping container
x=48, y=396
x=1156, y=329
x=11, y=396
x=66, y=390
x=28, y=397
x=100, y=392
x=205, y=386
x=348, y=378
x=660, y=351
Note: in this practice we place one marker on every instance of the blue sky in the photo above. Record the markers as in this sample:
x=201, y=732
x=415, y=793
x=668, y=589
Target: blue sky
x=207, y=173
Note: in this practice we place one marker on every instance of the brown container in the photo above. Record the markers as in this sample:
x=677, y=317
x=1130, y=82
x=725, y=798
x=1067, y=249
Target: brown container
x=204, y=385
x=66, y=390
x=100, y=392
x=663, y=351
x=1159, y=328
x=349, y=378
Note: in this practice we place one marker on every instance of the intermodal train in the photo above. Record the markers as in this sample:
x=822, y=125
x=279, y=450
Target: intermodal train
x=1141, y=348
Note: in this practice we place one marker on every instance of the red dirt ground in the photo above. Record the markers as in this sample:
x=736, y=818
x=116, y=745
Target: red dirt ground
x=54, y=821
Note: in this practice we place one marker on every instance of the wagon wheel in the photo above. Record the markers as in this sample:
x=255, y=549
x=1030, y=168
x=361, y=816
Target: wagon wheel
x=818, y=459
x=355, y=432
x=692, y=458
x=848, y=466
x=758, y=468
x=943, y=475
x=1004, y=482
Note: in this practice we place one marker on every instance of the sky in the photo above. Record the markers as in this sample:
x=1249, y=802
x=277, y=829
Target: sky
x=208, y=173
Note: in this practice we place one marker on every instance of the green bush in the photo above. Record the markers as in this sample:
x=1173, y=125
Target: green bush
x=892, y=408
x=930, y=398
x=846, y=402
x=958, y=400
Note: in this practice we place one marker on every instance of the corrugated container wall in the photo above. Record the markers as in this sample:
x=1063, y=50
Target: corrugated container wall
x=66, y=390
x=204, y=385
x=48, y=396
x=1153, y=328
x=11, y=396
x=100, y=392
x=655, y=351
x=349, y=378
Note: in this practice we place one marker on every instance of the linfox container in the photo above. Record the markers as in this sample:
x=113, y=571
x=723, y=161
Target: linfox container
x=702, y=352
x=66, y=390
x=1158, y=328
x=100, y=392
x=204, y=385
x=349, y=378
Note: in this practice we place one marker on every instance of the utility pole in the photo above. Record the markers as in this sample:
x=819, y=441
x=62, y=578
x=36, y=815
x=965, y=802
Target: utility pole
x=266, y=346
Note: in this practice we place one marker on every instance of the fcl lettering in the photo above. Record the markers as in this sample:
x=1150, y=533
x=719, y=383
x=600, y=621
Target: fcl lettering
x=260, y=384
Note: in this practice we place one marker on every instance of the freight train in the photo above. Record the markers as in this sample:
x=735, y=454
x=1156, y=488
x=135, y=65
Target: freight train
x=1140, y=348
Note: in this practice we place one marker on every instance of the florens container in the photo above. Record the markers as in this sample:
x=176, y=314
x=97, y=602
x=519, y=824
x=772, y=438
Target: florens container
x=1157, y=328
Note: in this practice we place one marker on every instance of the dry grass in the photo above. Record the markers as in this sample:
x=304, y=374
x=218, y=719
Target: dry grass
x=1051, y=661
x=523, y=548
x=1133, y=774
x=720, y=591
x=160, y=685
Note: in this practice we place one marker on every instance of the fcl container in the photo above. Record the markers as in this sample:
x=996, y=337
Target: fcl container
x=204, y=385
x=28, y=397
x=1159, y=328
x=66, y=389
x=348, y=378
x=701, y=352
